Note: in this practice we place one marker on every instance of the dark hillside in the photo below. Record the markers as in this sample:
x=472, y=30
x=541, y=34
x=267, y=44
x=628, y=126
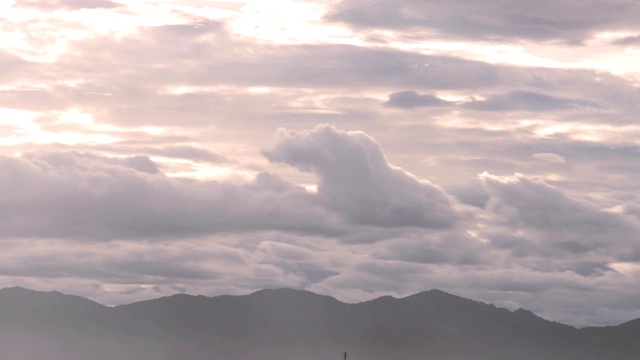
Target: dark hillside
x=292, y=324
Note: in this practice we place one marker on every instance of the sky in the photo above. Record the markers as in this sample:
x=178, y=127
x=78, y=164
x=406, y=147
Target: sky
x=353, y=148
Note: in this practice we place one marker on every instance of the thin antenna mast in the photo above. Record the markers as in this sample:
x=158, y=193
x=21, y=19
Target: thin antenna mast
x=345, y=356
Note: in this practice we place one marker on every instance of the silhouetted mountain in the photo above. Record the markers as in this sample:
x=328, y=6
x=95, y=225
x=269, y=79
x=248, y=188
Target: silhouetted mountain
x=38, y=325
x=293, y=324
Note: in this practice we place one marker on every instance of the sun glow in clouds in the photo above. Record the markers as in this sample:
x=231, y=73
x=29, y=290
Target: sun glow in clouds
x=626, y=268
x=287, y=21
x=205, y=172
x=27, y=128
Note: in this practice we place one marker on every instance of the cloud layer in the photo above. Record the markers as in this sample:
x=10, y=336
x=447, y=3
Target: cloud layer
x=564, y=20
x=489, y=150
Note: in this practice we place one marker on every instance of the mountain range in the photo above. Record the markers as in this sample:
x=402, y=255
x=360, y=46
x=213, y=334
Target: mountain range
x=288, y=324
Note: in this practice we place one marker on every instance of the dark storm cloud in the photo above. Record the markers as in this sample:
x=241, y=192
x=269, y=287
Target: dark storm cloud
x=565, y=20
x=356, y=180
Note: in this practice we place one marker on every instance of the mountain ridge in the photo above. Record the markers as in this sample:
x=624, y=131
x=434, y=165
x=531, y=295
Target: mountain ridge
x=292, y=324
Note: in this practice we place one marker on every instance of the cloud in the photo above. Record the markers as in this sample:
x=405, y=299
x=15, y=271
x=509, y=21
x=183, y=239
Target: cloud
x=317, y=67
x=11, y=66
x=190, y=90
x=189, y=152
x=51, y=5
x=207, y=77
x=171, y=151
x=83, y=195
x=411, y=99
x=541, y=220
x=628, y=41
x=142, y=164
x=307, y=263
x=356, y=180
x=517, y=100
x=76, y=195
x=528, y=101
x=443, y=247
x=536, y=233
x=565, y=20
x=551, y=157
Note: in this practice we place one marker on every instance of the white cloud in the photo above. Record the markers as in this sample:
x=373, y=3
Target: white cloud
x=356, y=180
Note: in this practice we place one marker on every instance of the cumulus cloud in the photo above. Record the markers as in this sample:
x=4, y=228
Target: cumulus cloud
x=543, y=221
x=356, y=180
x=75, y=195
x=78, y=195
x=531, y=238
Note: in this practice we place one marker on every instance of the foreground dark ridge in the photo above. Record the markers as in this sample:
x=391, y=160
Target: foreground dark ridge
x=293, y=324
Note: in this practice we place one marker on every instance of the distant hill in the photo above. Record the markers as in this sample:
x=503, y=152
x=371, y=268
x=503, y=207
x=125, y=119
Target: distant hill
x=287, y=324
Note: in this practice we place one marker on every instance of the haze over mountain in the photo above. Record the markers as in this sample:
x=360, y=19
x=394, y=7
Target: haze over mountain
x=293, y=324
